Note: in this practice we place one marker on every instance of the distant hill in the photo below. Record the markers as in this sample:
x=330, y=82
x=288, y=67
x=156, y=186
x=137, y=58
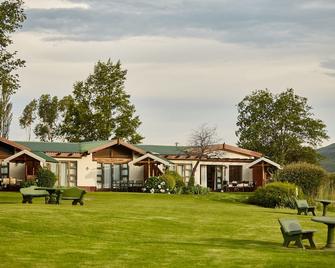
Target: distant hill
x=329, y=153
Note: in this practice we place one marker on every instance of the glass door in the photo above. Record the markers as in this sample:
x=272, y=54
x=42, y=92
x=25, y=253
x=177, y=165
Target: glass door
x=107, y=176
x=62, y=174
x=219, y=177
x=67, y=175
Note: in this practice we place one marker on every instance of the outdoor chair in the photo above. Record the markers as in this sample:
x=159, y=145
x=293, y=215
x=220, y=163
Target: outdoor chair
x=31, y=192
x=303, y=207
x=75, y=194
x=292, y=231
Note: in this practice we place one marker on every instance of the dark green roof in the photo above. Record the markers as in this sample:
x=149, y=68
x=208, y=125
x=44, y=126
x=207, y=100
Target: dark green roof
x=36, y=146
x=64, y=147
x=81, y=147
x=163, y=149
x=45, y=157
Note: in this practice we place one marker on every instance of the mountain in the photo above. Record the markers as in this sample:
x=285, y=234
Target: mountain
x=328, y=153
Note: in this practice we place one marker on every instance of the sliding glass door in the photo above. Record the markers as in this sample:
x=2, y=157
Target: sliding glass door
x=67, y=173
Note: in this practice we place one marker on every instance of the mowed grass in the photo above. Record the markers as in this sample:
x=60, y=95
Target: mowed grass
x=144, y=230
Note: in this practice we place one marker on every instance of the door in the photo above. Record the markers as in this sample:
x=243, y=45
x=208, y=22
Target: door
x=219, y=177
x=67, y=175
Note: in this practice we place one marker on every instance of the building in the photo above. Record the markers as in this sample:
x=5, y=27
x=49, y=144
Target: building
x=118, y=165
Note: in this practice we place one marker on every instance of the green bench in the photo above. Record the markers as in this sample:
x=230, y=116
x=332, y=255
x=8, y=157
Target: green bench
x=303, y=207
x=31, y=192
x=292, y=231
x=75, y=194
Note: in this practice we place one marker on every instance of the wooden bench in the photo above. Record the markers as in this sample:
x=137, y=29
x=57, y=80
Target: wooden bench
x=31, y=192
x=292, y=231
x=74, y=194
x=303, y=207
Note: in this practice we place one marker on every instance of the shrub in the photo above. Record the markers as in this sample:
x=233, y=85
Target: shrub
x=45, y=178
x=156, y=185
x=25, y=184
x=307, y=176
x=190, y=182
x=276, y=194
x=170, y=178
x=197, y=190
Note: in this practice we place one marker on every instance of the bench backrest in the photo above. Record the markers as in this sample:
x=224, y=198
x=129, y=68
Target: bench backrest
x=290, y=226
x=73, y=192
x=301, y=203
x=32, y=191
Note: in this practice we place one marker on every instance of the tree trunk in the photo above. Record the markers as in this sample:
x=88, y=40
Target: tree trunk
x=195, y=167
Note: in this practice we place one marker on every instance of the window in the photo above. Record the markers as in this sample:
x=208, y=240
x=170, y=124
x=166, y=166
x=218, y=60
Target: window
x=111, y=176
x=184, y=170
x=67, y=173
x=4, y=170
x=235, y=173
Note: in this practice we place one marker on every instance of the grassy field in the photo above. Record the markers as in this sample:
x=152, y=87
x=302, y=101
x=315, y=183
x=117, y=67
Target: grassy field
x=144, y=230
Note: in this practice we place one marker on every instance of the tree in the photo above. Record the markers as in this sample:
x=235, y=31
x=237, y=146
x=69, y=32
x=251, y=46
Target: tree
x=200, y=142
x=47, y=111
x=5, y=111
x=28, y=117
x=99, y=108
x=11, y=18
x=280, y=126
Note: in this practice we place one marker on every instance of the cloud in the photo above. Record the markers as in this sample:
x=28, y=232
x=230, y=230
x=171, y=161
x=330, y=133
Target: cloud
x=53, y=4
x=260, y=22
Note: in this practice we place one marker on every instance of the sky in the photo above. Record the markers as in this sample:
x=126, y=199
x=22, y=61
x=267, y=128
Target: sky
x=189, y=62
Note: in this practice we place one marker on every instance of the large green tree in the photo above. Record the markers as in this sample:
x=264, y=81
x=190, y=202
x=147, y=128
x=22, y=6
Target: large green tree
x=11, y=18
x=47, y=111
x=99, y=108
x=28, y=117
x=281, y=126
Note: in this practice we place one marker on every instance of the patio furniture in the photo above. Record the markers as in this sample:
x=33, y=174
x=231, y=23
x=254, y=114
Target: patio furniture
x=54, y=194
x=292, y=231
x=330, y=222
x=31, y=192
x=303, y=207
x=325, y=203
x=75, y=194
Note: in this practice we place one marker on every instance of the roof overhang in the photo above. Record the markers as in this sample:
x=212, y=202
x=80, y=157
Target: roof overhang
x=32, y=155
x=155, y=158
x=14, y=144
x=263, y=159
x=117, y=142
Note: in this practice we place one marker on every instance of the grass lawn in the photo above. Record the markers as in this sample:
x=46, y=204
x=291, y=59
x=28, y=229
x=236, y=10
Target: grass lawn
x=141, y=230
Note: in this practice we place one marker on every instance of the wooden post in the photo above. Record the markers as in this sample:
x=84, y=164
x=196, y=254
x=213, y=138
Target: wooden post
x=149, y=170
x=263, y=174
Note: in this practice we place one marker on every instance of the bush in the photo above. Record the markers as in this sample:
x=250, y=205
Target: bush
x=309, y=177
x=170, y=178
x=190, y=182
x=25, y=184
x=197, y=190
x=276, y=194
x=45, y=178
x=156, y=185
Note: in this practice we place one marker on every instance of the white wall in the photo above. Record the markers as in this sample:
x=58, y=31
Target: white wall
x=86, y=170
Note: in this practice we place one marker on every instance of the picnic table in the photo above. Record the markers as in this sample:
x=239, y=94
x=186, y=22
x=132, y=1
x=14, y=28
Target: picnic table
x=325, y=203
x=54, y=194
x=330, y=222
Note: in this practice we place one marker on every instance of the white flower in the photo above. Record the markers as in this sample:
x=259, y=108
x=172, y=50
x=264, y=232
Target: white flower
x=163, y=183
x=167, y=189
x=159, y=186
x=152, y=190
x=162, y=191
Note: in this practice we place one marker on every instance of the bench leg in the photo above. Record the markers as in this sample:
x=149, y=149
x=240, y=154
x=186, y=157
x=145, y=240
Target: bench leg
x=81, y=203
x=74, y=202
x=313, y=211
x=311, y=241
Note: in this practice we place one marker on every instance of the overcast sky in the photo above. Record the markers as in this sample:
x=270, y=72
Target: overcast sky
x=188, y=62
